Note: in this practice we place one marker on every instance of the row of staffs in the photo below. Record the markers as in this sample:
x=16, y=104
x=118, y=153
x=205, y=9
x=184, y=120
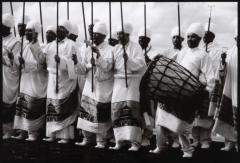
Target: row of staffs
x=85, y=31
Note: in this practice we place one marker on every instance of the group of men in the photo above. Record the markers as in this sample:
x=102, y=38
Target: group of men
x=62, y=85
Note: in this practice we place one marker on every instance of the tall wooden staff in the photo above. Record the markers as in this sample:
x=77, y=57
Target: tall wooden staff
x=57, y=53
x=209, y=22
x=92, y=42
x=84, y=24
x=124, y=50
x=21, y=53
x=179, y=26
x=12, y=15
x=40, y=8
x=110, y=21
x=145, y=26
x=67, y=10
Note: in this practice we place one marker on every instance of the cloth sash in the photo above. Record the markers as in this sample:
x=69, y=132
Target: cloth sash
x=127, y=121
x=60, y=109
x=94, y=116
x=30, y=107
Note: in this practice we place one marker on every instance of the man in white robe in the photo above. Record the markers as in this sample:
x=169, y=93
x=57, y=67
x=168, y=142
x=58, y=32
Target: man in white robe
x=31, y=102
x=198, y=63
x=147, y=106
x=170, y=53
x=10, y=49
x=61, y=104
x=125, y=106
x=95, y=112
x=226, y=121
x=203, y=123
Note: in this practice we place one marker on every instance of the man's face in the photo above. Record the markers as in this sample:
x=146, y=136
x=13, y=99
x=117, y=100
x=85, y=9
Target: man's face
x=50, y=36
x=143, y=41
x=208, y=37
x=123, y=38
x=21, y=29
x=177, y=41
x=62, y=33
x=29, y=34
x=98, y=38
x=193, y=40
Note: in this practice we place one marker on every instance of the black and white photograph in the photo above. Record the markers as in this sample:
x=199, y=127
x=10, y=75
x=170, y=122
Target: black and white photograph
x=119, y=81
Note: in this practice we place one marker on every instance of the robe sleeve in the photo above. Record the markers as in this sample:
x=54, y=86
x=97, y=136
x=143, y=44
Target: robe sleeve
x=81, y=66
x=207, y=70
x=105, y=63
x=37, y=52
x=136, y=61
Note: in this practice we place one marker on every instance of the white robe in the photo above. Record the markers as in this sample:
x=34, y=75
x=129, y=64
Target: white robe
x=33, y=84
x=67, y=81
x=10, y=73
x=130, y=96
x=102, y=88
x=214, y=51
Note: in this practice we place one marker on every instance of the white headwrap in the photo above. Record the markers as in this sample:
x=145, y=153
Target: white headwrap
x=20, y=19
x=8, y=20
x=196, y=28
x=74, y=29
x=141, y=32
x=100, y=27
x=127, y=27
x=66, y=24
x=51, y=28
x=175, y=32
x=212, y=27
x=34, y=25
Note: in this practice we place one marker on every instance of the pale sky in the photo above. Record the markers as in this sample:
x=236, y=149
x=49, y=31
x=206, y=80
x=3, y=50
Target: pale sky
x=161, y=17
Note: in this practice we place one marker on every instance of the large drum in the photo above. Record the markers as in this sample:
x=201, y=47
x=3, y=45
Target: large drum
x=168, y=82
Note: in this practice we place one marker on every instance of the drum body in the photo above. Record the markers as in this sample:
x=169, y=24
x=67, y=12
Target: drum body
x=168, y=82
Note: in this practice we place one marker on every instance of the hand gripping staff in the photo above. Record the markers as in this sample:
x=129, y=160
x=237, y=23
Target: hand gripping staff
x=40, y=9
x=57, y=51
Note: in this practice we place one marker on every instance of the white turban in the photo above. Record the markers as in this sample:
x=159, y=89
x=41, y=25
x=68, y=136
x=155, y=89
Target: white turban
x=141, y=32
x=34, y=25
x=196, y=28
x=127, y=27
x=74, y=29
x=100, y=27
x=51, y=28
x=66, y=24
x=26, y=19
x=212, y=27
x=175, y=32
x=8, y=20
